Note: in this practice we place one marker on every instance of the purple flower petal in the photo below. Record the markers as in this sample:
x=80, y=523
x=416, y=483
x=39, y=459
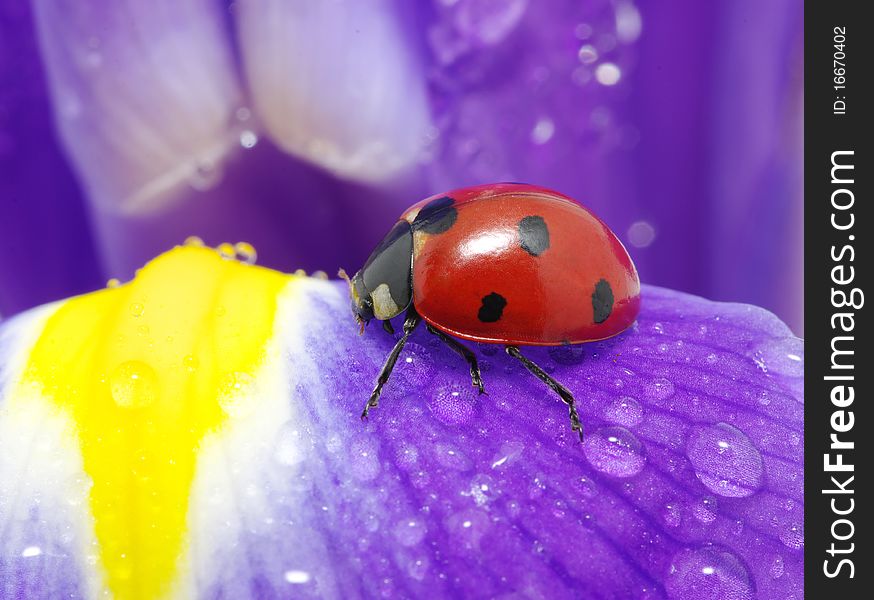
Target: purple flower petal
x=144, y=96
x=336, y=84
x=689, y=483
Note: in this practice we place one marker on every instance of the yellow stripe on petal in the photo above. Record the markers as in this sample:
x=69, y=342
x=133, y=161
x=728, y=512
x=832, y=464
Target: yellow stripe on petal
x=146, y=370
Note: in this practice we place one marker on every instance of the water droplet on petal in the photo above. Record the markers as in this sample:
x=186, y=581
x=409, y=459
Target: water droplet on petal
x=608, y=74
x=615, y=451
x=793, y=536
x=451, y=457
x=587, y=54
x=624, y=411
x=725, y=460
x=417, y=367
x=508, y=454
x=248, y=139
x=705, y=510
x=708, y=574
x=543, y=131
x=659, y=389
x=483, y=489
x=193, y=241
x=133, y=384
x=235, y=397
x=418, y=568
x=246, y=252
x=671, y=514
x=452, y=404
x=297, y=577
x=113, y=283
x=777, y=568
x=206, y=175
x=784, y=356
x=226, y=250
x=641, y=234
x=137, y=309
x=410, y=531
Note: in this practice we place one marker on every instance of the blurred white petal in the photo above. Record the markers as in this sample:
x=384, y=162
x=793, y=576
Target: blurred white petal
x=144, y=95
x=335, y=83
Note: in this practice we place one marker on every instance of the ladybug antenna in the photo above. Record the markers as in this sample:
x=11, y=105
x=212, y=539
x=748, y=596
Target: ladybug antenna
x=344, y=276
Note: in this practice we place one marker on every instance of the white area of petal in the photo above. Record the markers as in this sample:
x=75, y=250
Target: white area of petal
x=336, y=83
x=43, y=488
x=144, y=95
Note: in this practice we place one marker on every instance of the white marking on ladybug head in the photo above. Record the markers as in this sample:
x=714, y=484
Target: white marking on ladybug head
x=384, y=306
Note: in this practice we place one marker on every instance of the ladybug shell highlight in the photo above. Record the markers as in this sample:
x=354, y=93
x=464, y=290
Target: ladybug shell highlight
x=521, y=265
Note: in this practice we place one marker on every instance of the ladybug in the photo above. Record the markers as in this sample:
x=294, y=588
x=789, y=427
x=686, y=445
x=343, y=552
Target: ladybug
x=507, y=263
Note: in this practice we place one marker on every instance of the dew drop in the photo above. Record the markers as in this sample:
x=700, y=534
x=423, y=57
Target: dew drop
x=508, y=454
x=659, y=389
x=624, y=411
x=246, y=252
x=784, y=356
x=725, y=460
x=483, y=489
x=793, y=536
x=410, y=531
x=641, y=234
x=137, y=309
x=672, y=515
x=705, y=509
x=708, y=574
x=205, y=176
x=297, y=577
x=133, y=384
x=417, y=368
x=587, y=54
x=418, y=568
x=289, y=448
x=608, y=74
x=235, y=397
x=193, y=241
x=113, y=283
x=248, y=139
x=468, y=527
x=615, y=451
x=452, y=404
x=363, y=461
x=451, y=457
x=777, y=567
x=227, y=251
x=543, y=131
x=190, y=362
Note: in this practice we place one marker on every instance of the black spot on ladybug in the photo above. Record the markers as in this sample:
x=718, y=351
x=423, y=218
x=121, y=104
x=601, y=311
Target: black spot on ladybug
x=602, y=301
x=437, y=216
x=533, y=235
x=492, y=308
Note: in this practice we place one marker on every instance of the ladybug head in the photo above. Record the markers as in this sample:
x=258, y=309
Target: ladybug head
x=383, y=288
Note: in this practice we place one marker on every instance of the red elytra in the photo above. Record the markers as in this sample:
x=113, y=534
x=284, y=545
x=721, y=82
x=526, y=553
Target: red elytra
x=503, y=263
x=549, y=296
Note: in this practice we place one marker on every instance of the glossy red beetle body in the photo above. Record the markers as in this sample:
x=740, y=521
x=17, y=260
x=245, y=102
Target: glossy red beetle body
x=504, y=263
x=552, y=272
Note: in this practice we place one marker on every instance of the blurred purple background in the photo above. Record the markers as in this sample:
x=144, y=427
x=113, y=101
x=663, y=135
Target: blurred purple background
x=306, y=131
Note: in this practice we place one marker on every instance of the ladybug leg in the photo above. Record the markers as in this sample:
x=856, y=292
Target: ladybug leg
x=412, y=320
x=558, y=388
x=386, y=325
x=465, y=353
